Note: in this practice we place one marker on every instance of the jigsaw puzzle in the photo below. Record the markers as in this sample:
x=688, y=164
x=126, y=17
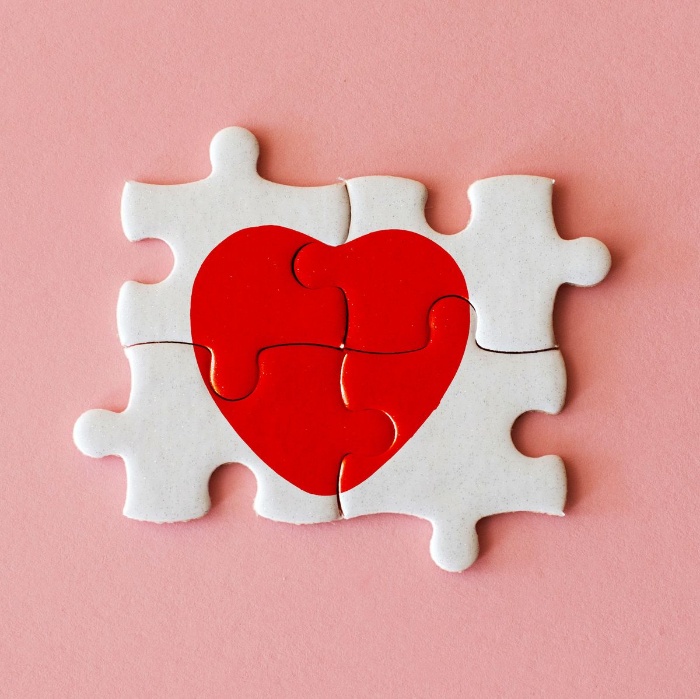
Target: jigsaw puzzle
x=357, y=364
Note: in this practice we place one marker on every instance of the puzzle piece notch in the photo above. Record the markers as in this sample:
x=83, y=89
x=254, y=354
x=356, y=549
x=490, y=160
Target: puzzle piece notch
x=296, y=420
x=408, y=386
x=390, y=280
x=245, y=298
x=461, y=465
x=193, y=218
x=172, y=436
x=510, y=253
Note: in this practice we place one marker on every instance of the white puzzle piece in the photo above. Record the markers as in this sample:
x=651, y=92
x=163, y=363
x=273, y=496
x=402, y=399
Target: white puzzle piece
x=510, y=252
x=193, y=218
x=172, y=437
x=461, y=464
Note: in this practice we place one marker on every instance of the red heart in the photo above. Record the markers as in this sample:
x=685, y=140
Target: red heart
x=279, y=348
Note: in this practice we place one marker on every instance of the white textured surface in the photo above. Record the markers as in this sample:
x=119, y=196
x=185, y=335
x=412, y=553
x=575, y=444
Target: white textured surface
x=510, y=253
x=194, y=218
x=461, y=465
x=172, y=437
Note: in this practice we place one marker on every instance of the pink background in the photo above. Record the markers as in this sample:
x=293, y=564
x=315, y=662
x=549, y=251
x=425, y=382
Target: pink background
x=603, y=97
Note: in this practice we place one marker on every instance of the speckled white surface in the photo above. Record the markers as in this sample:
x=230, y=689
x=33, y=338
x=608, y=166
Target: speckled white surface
x=510, y=253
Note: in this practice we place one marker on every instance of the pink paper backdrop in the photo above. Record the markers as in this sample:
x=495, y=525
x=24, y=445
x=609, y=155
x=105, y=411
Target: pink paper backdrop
x=603, y=97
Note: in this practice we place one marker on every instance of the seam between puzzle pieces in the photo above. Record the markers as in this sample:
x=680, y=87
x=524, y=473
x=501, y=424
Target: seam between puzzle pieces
x=341, y=348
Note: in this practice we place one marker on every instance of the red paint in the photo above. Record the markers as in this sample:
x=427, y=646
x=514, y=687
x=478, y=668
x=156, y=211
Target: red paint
x=390, y=279
x=279, y=348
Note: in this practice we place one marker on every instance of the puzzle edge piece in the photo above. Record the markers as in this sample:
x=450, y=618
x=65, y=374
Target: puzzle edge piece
x=194, y=217
x=514, y=317
x=172, y=437
x=443, y=477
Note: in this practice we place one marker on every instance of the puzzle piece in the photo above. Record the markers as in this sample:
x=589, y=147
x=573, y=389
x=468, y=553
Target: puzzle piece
x=461, y=464
x=510, y=253
x=390, y=279
x=172, y=436
x=195, y=217
x=408, y=387
x=245, y=298
x=296, y=421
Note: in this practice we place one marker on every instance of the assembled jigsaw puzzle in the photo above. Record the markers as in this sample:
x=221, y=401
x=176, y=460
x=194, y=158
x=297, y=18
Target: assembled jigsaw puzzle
x=357, y=364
